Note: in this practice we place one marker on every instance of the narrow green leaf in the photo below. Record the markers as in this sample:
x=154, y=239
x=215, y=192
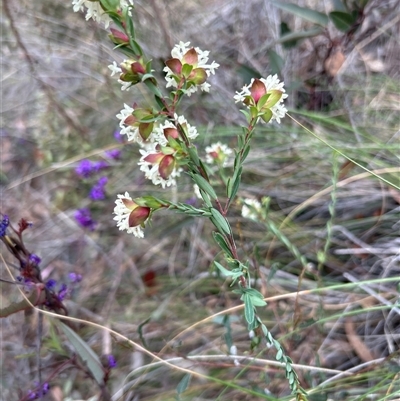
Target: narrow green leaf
x=183, y=384
x=290, y=37
x=342, y=21
x=204, y=185
x=85, y=352
x=220, y=240
x=221, y=222
x=306, y=13
x=279, y=354
x=223, y=270
x=248, y=309
x=285, y=30
x=276, y=62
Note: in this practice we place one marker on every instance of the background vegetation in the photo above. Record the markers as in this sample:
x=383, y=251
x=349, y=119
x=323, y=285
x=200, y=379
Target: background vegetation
x=58, y=108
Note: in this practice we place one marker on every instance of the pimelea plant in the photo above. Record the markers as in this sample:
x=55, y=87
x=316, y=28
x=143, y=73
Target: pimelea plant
x=167, y=145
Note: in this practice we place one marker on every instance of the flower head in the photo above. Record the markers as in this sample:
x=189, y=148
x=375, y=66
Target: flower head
x=159, y=165
x=251, y=209
x=112, y=363
x=95, y=11
x=86, y=167
x=189, y=66
x=132, y=125
x=113, y=154
x=3, y=225
x=75, y=277
x=130, y=216
x=97, y=191
x=161, y=133
x=218, y=153
x=265, y=97
x=84, y=218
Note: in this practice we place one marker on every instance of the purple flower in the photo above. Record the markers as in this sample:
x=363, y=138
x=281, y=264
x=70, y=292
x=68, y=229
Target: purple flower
x=112, y=363
x=191, y=201
x=84, y=218
x=97, y=191
x=3, y=225
x=118, y=137
x=99, y=165
x=32, y=395
x=51, y=284
x=74, y=277
x=113, y=153
x=85, y=168
x=33, y=258
x=63, y=292
x=45, y=388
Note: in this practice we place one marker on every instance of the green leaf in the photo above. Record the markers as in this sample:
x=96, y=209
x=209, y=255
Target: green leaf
x=220, y=240
x=306, y=13
x=204, y=185
x=193, y=154
x=85, y=352
x=276, y=62
x=279, y=354
x=285, y=30
x=220, y=221
x=248, y=309
x=223, y=270
x=342, y=21
x=183, y=384
x=234, y=183
x=290, y=37
x=267, y=115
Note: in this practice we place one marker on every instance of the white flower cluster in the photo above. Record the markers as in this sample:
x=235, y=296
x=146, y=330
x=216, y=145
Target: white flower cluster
x=251, y=209
x=122, y=217
x=271, y=82
x=130, y=131
x=218, y=151
x=178, y=52
x=94, y=10
x=115, y=69
x=158, y=133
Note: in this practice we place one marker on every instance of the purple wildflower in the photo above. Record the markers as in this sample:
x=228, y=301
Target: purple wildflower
x=118, y=137
x=113, y=154
x=99, y=165
x=63, y=292
x=33, y=258
x=112, y=363
x=191, y=201
x=51, y=284
x=84, y=218
x=3, y=225
x=75, y=277
x=45, y=388
x=32, y=395
x=85, y=168
x=97, y=191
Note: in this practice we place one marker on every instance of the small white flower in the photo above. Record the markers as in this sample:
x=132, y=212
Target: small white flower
x=122, y=217
x=125, y=86
x=251, y=208
x=196, y=190
x=271, y=82
x=218, y=152
x=115, y=69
